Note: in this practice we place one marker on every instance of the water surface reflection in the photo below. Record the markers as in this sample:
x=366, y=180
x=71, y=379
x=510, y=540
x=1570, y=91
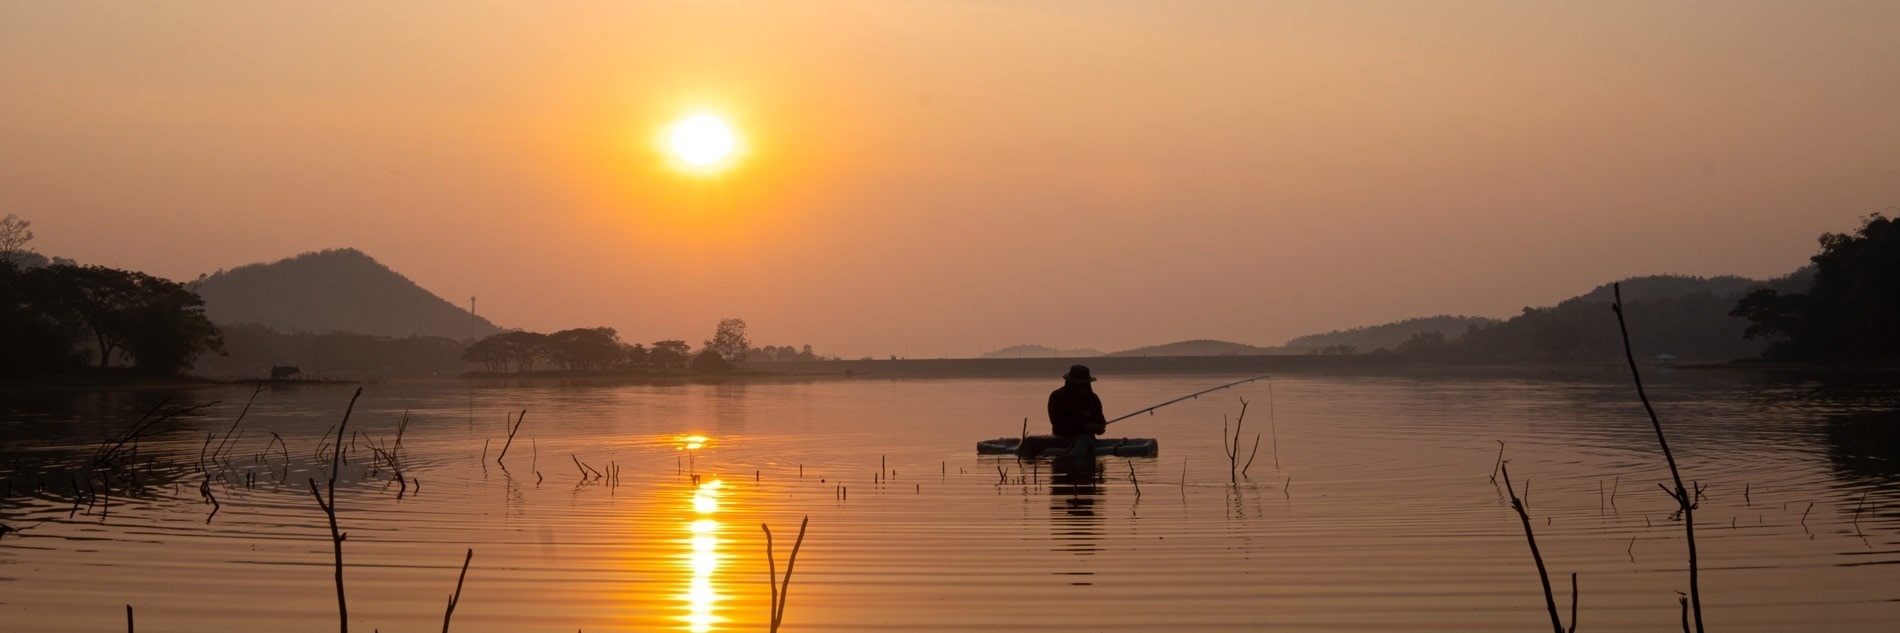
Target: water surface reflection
x=702, y=559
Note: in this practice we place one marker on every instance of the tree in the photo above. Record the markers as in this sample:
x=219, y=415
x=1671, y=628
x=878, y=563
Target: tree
x=1424, y=343
x=586, y=348
x=729, y=341
x=491, y=352
x=636, y=354
x=669, y=354
x=32, y=336
x=14, y=237
x=160, y=324
x=166, y=329
x=709, y=361
x=1853, y=309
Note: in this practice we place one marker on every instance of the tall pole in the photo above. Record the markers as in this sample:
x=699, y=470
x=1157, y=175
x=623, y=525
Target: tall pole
x=471, y=317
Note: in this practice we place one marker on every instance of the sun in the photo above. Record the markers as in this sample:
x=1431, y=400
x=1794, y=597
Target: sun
x=702, y=141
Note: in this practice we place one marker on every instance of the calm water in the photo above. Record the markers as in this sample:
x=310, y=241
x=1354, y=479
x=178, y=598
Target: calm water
x=1375, y=512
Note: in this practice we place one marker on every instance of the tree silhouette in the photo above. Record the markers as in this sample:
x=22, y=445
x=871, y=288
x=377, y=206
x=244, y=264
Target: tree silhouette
x=729, y=341
x=670, y=354
x=1853, y=309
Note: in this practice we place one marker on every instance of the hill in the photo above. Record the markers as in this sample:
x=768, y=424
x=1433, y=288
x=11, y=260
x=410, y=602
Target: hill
x=1390, y=335
x=1040, y=351
x=338, y=290
x=1684, y=316
x=1198, y=347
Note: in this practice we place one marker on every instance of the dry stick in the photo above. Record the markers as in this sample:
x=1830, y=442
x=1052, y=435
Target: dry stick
x=511, y=437
x=1500, y=462
x=1133, y=480
x=1250, y=456
x=128, y=619
x=458, y=590
x=1517, y=504
x=784, y=589
x=1682, y=492
x=329, y=509
x=1273, y=427
x=1573, y=602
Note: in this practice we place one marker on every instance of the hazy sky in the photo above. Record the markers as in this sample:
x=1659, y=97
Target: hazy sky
x=932, y=178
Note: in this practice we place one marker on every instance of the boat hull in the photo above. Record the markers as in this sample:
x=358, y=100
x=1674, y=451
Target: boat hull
x=1050, y=446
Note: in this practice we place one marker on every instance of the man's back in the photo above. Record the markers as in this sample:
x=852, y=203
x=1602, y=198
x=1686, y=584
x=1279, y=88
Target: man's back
x=1074, y=409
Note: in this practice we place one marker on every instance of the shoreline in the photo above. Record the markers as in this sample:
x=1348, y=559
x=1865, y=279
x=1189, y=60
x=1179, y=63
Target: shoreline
x=946, y=368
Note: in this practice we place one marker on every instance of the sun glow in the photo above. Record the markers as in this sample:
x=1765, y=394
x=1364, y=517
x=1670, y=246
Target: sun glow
x=702, y=141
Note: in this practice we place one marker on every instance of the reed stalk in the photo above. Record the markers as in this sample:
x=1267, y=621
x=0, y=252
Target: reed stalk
x=1681, y=493
x=1556, y=622
x=329, y=510
x=781, y=590
x=457, y=597
x=511, y=438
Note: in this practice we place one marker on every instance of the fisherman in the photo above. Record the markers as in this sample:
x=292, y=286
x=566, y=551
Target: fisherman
x=1075, y=412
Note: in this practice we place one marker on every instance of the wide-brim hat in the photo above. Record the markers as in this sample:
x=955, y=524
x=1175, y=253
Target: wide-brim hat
x=1078, y=373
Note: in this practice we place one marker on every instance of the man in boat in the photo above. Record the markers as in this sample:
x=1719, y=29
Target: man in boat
x=1075, y=412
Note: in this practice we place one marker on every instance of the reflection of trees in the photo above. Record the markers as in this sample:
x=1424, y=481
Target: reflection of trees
x=1865, y=447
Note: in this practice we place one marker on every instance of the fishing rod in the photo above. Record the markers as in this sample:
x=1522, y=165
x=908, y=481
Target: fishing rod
x=1190, y=396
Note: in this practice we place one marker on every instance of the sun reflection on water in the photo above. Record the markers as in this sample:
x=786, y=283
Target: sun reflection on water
x=703, y=559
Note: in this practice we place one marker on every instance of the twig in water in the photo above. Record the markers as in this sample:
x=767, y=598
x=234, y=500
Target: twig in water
x=204, y=489
x=329, y=509
x=1573, y=602
x=458, y=590
x=128, y=619
x=1288, y=490
x=1232, y=448
x=781, y=589
x=1857, y=506
x=1133, y=480
x=1517, y=504
x=511, y=438
x=1273, y=427
x=1500, y=462
x=1681, y=494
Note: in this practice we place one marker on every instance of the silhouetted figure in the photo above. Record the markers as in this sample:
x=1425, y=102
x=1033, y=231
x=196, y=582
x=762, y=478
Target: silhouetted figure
x=1075, y=412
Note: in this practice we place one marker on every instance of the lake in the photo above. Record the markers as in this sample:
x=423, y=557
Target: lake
x=1369, y=506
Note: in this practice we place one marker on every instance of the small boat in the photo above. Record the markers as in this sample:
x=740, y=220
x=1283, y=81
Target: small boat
x=1049, y=446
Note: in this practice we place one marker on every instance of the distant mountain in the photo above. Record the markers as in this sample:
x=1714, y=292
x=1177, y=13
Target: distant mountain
x=1390, y=335
x=1040, y=351
x=1199, y=347
x=338, y=290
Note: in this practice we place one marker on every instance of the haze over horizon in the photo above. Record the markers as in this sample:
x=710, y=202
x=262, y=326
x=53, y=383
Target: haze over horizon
x=927, y=179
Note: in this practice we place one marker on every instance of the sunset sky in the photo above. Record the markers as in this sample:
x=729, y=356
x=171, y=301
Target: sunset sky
x=946, y=178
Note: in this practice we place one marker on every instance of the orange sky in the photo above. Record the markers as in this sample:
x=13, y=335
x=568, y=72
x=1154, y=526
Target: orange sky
x=946, y=178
